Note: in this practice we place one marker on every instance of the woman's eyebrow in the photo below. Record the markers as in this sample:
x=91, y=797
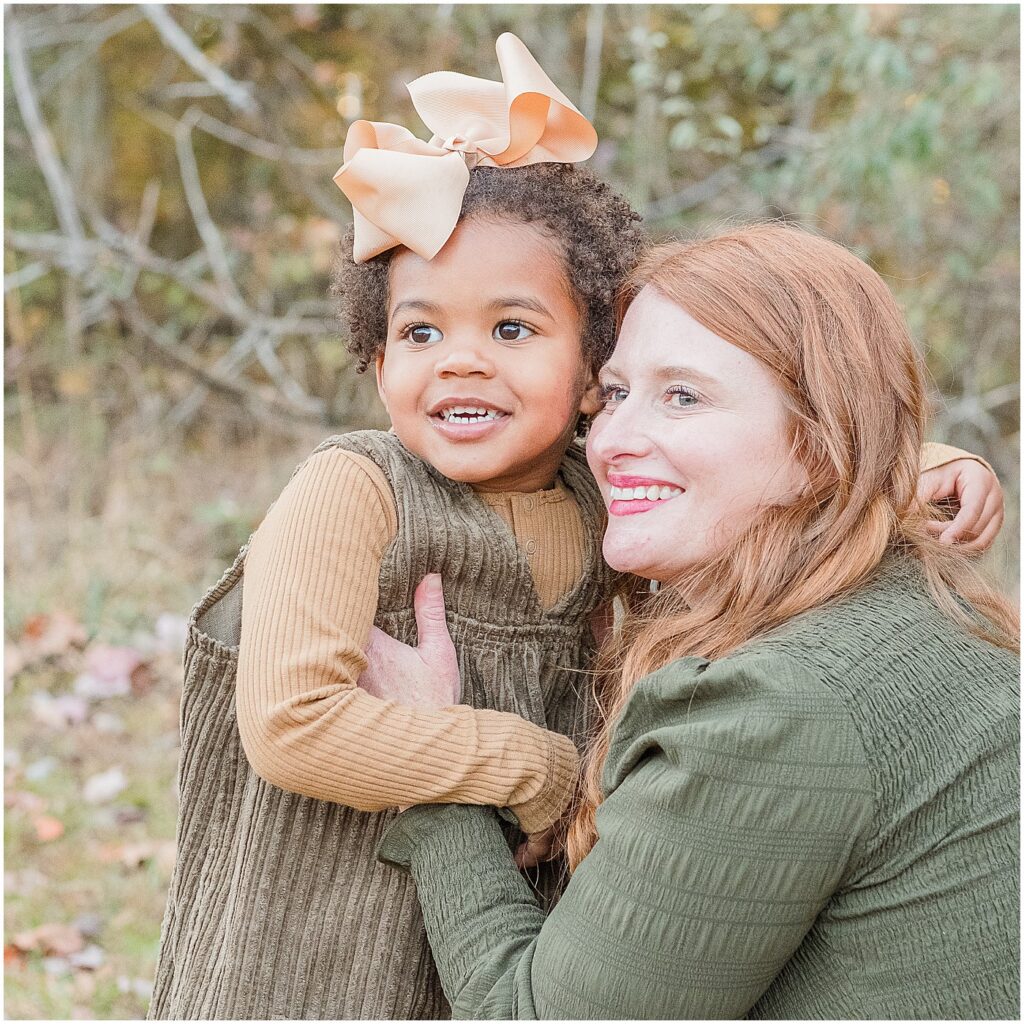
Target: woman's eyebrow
x=665, y=373
x=420, y=305
x=519, y=302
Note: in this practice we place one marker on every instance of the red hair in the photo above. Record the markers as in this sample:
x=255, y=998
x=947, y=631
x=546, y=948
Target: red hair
x=830, y=332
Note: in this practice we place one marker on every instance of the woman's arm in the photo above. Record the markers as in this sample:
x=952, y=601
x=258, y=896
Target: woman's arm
x=737, y=794
x=309, y=600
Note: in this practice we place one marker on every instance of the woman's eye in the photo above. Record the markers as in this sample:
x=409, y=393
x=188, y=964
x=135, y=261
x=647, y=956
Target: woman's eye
x=512, y=330
x=611, y=394
x=682, y=398
x=422, y=334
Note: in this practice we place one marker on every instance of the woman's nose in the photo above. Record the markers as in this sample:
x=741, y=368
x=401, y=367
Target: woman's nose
x=463, y=358
x=620, y=434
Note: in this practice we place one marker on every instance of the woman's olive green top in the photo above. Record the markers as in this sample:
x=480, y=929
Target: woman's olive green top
x=824, y=824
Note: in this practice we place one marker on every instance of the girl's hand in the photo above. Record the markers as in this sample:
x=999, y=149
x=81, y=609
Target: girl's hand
x=426, y=676
x=535, y=849
x=977, y=491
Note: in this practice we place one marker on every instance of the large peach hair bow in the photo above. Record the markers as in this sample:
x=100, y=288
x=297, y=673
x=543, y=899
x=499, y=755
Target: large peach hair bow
x=408, y=192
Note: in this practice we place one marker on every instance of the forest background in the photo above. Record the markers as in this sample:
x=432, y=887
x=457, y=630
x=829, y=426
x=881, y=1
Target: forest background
x=172, y=353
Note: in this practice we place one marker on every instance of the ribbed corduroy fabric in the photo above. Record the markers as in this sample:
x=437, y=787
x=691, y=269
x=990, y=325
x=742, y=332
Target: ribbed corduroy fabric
x=278, y=907
x=823, y=825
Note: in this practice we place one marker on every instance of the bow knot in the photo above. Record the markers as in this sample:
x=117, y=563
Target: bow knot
x=408, y=192
x=457, y=144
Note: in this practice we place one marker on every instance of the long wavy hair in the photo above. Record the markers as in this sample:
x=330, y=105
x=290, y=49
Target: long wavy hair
x=830, y=332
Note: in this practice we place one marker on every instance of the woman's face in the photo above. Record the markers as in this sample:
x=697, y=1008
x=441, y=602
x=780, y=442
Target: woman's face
x=691, y=442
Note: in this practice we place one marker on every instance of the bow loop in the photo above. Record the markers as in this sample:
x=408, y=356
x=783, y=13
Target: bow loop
x=408, y=192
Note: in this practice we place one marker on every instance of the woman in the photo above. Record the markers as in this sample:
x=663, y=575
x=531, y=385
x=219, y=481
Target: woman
x=803, y=799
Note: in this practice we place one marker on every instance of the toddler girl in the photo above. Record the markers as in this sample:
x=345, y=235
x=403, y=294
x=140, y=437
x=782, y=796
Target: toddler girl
x=481, y=285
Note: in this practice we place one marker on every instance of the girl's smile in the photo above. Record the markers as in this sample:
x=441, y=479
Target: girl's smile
x=483, y=374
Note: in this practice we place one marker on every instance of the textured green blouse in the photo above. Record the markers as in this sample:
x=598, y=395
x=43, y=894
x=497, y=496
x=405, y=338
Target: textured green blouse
x=823, y=825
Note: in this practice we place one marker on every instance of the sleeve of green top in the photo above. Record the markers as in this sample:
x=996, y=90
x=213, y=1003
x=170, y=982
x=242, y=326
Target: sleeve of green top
x=737, y=794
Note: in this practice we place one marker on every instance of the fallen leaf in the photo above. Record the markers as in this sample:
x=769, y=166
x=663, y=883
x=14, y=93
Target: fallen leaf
x=101, y=788
x=41, y=769
x=47, y=635
x=141, y=987
x=58, y=712
x=51, y=939
x=48, y=828
x=89, y=687
x=89, y=924
x=142, y=678
x=170, y=632
x=134, y=855
x=14, y=661
x=104, y=721
x=89, y=959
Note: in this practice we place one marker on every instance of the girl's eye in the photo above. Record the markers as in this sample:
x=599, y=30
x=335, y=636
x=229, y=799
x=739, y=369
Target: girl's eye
x=610, y=395
x=512, y=330
x=682, y=398
x=422, y=334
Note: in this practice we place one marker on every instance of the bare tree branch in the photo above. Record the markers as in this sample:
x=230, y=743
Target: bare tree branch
x=238, y=94
x=592, y=61
x=201, y=214
x=50, y=164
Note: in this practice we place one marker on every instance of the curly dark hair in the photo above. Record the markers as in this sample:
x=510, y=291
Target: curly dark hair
x=596, y=229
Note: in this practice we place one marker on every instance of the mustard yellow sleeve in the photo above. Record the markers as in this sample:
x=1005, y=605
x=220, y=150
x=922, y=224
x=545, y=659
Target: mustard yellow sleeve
x=309, y=600
x=934, y=454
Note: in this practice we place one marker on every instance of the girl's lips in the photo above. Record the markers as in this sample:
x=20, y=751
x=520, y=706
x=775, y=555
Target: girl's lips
x=455, y=431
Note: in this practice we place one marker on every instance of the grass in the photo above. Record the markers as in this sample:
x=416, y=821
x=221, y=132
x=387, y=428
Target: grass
x=114, y=526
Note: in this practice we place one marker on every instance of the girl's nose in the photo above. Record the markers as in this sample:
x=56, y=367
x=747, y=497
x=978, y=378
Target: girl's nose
x=463, y=358
x=624, y=433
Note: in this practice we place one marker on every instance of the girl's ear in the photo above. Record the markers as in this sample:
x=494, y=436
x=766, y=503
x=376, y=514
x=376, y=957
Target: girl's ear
x=379, y=369
x=590, y=403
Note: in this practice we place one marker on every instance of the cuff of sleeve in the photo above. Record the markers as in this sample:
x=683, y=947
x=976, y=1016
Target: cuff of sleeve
x=935, y=454
x=549, y=803
x=422, y=830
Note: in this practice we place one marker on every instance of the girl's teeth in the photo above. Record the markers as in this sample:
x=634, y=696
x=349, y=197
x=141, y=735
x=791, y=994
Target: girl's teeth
x=468, y=414
x=651, y=493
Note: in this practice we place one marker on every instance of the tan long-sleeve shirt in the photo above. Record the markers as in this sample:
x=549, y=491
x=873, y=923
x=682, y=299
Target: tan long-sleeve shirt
x=310, y=596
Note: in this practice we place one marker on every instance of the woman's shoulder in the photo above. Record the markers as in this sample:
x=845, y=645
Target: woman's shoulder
x=885, y=629
x=756, y=706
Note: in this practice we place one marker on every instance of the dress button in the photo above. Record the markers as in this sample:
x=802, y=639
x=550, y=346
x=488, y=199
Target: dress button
x=531, y=547
x=528, y=504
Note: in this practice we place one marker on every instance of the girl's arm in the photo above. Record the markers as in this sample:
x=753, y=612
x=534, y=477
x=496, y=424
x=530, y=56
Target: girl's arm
x=737, y=796
x=309, y=600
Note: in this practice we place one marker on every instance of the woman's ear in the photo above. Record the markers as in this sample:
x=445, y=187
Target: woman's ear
x=590, y=403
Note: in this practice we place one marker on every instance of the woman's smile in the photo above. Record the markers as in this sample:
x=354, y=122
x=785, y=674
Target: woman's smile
x=630, y=495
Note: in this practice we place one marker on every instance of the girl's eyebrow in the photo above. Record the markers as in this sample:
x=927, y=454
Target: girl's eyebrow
x=520, y=302
x=420, y=305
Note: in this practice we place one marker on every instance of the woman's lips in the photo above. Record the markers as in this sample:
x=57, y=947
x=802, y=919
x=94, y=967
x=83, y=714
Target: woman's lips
x=631, y=495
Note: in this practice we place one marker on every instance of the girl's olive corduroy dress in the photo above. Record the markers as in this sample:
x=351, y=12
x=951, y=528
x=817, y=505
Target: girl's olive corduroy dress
x=278, y=907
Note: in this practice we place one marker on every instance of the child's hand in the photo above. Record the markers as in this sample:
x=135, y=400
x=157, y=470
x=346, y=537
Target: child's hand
x=535, y=849
x=426, y=676
x=977, y=491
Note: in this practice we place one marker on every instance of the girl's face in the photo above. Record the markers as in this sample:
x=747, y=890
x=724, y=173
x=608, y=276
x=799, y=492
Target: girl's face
x=696, y=424
x=482, y=374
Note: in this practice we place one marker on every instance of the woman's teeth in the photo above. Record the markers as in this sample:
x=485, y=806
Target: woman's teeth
x=652, y=493
x=468, y=414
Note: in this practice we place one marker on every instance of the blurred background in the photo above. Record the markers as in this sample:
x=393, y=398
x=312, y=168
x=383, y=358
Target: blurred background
x=172, y=353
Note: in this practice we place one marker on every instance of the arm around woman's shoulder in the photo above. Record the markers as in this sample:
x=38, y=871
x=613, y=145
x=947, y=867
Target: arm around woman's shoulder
x=737, y=793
